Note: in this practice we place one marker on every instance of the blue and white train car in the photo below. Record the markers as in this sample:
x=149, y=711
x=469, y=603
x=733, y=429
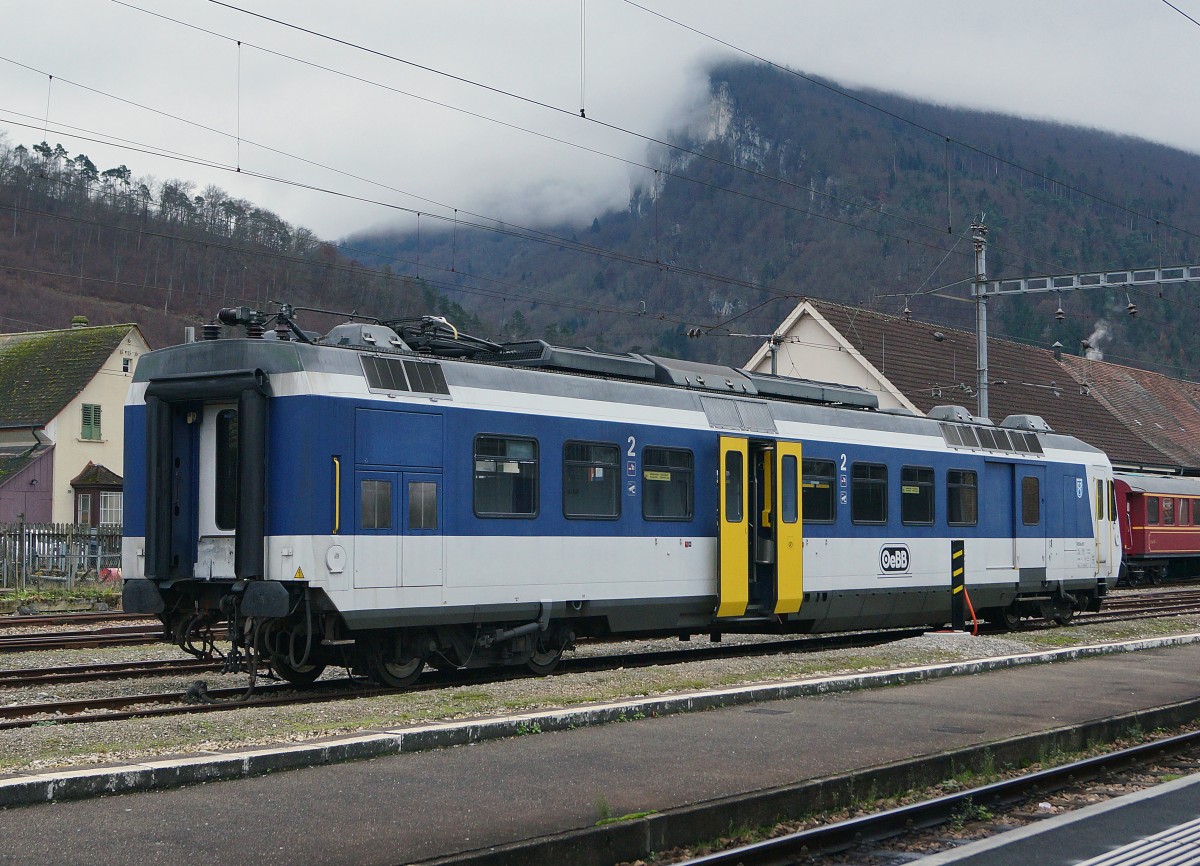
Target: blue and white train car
x=349, y=500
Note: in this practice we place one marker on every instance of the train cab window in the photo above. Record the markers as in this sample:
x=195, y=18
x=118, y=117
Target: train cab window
x=1168, y=511
x=506, y=476
x=1031, y=501
x=227, y=469
x=962, y=497
x=591, y=480
x=667, y=484
x=868, y=493
x=376, y=504
x=817, y=501
x=1152, y=510
x=916, y=494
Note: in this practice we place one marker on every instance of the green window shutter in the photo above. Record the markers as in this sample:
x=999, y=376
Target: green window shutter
x=91, y=421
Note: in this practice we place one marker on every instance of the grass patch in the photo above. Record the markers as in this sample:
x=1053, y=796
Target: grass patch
x=632, y=816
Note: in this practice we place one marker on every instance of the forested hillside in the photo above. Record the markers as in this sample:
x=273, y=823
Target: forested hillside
x=76, y=239
x=802, y=191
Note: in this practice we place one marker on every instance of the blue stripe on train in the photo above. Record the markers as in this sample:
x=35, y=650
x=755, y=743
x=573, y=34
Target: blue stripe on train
x=306, y=432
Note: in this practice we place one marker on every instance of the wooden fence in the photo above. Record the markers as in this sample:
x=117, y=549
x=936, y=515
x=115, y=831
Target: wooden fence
x=50, y=554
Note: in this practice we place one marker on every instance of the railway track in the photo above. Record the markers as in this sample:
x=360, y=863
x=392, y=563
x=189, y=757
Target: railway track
x=92, y=710
x=52, y=619
x=27, y=677
x=118, y=635
x=919, y=826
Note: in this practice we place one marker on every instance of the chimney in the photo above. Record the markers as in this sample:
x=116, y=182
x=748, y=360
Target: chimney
x=1057, y=347
x=79, y=322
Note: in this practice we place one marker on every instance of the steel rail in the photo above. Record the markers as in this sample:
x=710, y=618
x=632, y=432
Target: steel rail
x=23, y=620
x=18, y=677
x=121, y=635
x=832, y=838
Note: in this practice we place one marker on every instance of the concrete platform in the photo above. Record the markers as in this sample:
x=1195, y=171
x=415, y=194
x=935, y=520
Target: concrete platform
x=401, y=808
x=1160, y=825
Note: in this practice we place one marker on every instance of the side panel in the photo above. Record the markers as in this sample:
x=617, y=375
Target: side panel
x=789, y=528
x=377, y=541
x=421, y=561
x=734, y=533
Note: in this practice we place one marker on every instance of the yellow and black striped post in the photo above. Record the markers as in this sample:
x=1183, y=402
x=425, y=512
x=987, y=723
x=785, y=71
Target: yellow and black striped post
x=958, y=564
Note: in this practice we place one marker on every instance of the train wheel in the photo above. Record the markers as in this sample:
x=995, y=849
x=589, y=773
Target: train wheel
x=544, y=659
x=389, y=669
x=1064, y=613
x=304, y=675
x=1010, y=617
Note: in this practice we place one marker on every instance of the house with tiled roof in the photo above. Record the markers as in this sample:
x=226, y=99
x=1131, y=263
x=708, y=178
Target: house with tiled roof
x=62, y=422
x=1142, y=420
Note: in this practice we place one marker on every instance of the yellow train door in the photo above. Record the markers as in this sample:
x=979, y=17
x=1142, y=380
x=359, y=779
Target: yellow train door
x=733, y=537
x=789, y=529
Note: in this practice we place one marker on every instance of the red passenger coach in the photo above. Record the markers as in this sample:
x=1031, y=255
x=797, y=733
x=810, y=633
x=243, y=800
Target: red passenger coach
x=1160, y=527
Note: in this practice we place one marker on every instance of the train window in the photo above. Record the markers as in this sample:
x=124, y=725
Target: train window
x=1099, y=499
x=506, y=476
x=1112, y=501
x=376, y=504
x=962, y=497
x=1152, y=510
x=1031, y=501
x=916, y=494
x=788, y=489
x=1196, y=512
x=591, y=480
x=1185, y=512
x=667, y=487
x=817, y=502
x=733, y=486
x=868, y=493
x=422, y=505
x=1168, y=511
x=227, y=469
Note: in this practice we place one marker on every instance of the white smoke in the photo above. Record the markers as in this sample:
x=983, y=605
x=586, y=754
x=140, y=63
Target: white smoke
x=1091, y=345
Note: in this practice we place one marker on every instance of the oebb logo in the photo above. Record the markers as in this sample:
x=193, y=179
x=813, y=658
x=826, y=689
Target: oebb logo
x=893, y=559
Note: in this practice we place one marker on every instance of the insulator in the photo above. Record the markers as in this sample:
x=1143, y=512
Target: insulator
x=211, y=331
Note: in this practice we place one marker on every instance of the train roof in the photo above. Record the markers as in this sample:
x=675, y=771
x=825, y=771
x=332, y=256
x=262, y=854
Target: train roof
x=1170, y=485
x=731, y=399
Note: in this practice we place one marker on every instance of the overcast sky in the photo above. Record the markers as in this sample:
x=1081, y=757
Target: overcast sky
x=1128, y=66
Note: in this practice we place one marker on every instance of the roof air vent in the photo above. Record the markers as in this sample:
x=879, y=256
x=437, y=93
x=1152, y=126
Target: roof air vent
x=951, y=413
x=1036, y=423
